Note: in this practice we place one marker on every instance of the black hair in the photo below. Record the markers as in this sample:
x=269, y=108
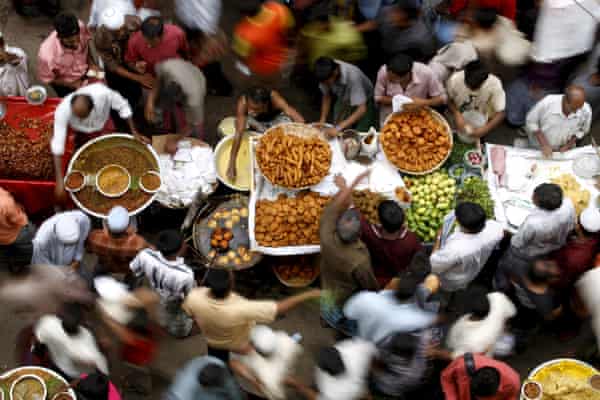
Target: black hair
x=95, y=386
x=66, y=25
x=391, y=216
x=171, y=93
x=475, y=74
x=470, y=216
x=259, y=95
x=169, y=242
x=88, y=99
x=219, y=282
x=485, y=382
x=548, y=196
x=139, y=322
x=486, y=17
x=400, y=64
x=152, y=27
x=212, y=376
x=404, y=344
x=71, y=318
x=330, y=361
x=407, y=286
x=478, y=304
x=348, y=226
x=409, y=7
x=534, y=275
x=325, y=67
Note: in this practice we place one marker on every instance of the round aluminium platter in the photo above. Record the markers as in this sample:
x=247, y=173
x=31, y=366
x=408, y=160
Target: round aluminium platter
x=121, y=149
x=54, y=383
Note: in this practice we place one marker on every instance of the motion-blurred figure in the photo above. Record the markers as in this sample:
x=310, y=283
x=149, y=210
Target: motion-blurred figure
x=16, y=233
x=14, y=73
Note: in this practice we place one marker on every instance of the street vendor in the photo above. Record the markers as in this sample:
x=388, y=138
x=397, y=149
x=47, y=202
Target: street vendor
x=259, y=109
x=354, y=106
x=87, y=111
x=558, y=121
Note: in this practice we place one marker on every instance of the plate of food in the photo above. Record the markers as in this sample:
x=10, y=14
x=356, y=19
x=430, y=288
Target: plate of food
x=36, y=95
x=34, y=383
x=296, y=271
x=113, y=180
x=416, y=142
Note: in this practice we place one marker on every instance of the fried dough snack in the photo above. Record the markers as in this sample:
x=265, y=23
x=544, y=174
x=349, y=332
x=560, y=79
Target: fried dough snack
x=292, y=161
x=415, y=141
x=289, y=221
x=367, y=203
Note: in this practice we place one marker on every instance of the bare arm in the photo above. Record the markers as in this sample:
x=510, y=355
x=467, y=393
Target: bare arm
x=240, y=126
x=243, y=371
x=280, y=104
x=458, y=118
x=384, y=100
x=546, y=149
x=353, y=118
x=432, y=102
x=294, y=301
x=367, y=26
x=569, y=145
x=344, y=196
x=491, y=124
x=325, y=107
x=301, y=388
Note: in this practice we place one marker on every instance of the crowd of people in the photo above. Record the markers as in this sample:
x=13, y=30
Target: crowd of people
x=410, y=321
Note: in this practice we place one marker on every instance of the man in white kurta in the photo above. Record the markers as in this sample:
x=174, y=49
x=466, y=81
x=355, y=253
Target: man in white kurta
x=60, y=240
x=557, y=121
x=14, y=74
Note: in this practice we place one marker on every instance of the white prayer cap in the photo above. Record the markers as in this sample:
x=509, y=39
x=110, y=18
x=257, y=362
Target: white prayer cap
x=118, y=220
x=590, y=218
x=112, y=18
x=263, y=339
x=67, y=229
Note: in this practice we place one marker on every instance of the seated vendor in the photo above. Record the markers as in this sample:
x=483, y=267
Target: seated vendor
x=258, y=110
x=353, y=91
x=557, y=121
x=87, y=111
x=391, y=245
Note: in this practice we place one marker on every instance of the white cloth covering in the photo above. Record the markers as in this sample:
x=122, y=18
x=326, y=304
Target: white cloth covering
x=105, y=100
x=480, y=336
x=112, y=18
x=203, y=15
x=48, y=249
x=14, y=78
x=126, y=6
x=74, y=355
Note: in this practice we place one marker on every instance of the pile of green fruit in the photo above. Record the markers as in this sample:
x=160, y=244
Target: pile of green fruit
x=432, y=199
x=476, y=190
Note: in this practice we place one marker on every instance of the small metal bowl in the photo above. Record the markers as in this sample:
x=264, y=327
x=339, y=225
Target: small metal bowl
x=534, y=383
x=28, y=376
x=36, y=95
x=74, y=190
x=145, y=189
x=113, y=195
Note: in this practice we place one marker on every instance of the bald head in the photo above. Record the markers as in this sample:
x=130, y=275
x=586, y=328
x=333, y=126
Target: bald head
x=82, y=105
x=348, y=226
x=574, y=99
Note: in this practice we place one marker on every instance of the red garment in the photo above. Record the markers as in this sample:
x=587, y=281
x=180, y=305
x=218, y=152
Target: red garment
x=139, y=351
x=115, y=253
x=172, y=45
x=388, y=257
x=506, y=8
x=456, y=382
x=575, y=258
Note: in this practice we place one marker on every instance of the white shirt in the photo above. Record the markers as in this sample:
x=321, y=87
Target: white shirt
x=488, y=100
x=352, y=384
x=272, y=371
x=14, y=79
x=203, y=15
x=104, y=99
x=545, y=231
x=48, y=250
x=70, y=353
x=171, y=279
x=126, y=6
x=547, y=116
x=480, y=336
x=380, y=314
x=564, y=29
x=463, y=255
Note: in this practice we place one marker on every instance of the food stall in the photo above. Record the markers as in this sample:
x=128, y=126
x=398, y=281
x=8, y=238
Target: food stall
x=34, y=382
x=26, y=163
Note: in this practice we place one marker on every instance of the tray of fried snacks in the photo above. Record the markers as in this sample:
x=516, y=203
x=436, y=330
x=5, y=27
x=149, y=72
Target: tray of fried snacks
x=416, y=142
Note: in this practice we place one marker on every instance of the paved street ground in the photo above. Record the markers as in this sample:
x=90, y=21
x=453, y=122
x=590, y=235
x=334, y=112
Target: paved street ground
x=28, y=34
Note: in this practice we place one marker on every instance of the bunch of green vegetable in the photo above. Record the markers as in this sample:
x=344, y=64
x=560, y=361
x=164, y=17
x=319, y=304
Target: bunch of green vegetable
x=457, y=155
x=476, y=190
x=432, y=199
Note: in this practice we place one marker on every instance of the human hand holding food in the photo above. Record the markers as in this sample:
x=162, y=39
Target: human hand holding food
x=232, y=170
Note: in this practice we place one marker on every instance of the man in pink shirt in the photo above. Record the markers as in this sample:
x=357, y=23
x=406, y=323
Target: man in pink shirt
x=412, y=79
x=476, y=376
x=154, y=43
x=64, y=58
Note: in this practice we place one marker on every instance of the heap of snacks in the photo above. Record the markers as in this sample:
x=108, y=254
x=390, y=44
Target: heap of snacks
x=292, y=161
x=432, y=199
x=297, y=270
x=415, y=141
x=573, y=190
x=475, y=190
x=367, y=203
x=289, y=221
x=21, y=156
x=228, y=238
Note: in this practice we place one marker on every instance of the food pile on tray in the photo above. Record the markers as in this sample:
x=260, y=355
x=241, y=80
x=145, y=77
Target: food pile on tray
x=31, y=383
x=296, y=271
x=25, y=150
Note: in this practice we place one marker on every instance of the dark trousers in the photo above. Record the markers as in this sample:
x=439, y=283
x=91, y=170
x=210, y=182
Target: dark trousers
x=62, y=91
x=221, y=354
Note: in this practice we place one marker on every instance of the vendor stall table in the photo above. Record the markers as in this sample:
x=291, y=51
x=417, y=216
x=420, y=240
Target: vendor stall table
x=36, y=196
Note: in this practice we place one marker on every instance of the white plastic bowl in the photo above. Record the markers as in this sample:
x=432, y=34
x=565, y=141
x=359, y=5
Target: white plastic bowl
x=28, y=376
x=113, y=195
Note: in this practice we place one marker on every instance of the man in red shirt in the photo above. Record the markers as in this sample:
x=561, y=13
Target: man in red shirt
x=506, y=8
x=475, y=376
x=391, y=245
x=154, y=43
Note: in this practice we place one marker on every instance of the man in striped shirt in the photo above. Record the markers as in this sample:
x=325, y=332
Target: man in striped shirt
x=168, y=274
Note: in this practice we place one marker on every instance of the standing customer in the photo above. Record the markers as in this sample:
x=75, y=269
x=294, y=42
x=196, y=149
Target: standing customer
x=14, y=73
x=345, y=261
x=16, y=234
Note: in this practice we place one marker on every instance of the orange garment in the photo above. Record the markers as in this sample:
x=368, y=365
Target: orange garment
x=12, y=218
x=261, y=40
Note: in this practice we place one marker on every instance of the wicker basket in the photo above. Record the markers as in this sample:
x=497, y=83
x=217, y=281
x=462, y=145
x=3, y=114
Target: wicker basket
x=441, y=120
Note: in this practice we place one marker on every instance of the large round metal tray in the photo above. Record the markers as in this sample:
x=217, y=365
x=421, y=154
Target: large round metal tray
x=60, y=385
x=221, y=152
x=302, y=130
x=443, y=121
x=119, y=139
x=202, y=234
